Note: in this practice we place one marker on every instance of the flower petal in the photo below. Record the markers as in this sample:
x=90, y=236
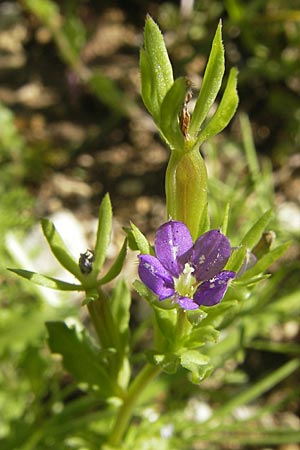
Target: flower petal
x=187, y=303
x=172, y=240
x=212, y=291
x=155, y=276
x=210, y=254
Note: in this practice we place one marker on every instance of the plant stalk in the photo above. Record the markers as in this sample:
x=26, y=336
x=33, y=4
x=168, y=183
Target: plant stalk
x=126, y=410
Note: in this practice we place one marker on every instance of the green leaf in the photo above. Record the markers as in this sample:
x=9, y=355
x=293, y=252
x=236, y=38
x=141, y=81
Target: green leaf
x=166, y=320
x=218, y=313
x=80, y=357
x=197, y=364
x=141, y=241
x=204, y=224
x=116, y=268
x=108, y=92
x=45, y=10
x=59, y=249
x=265, y=262
x=201, y=335
x=236, y=259
x=170, y=108
x=168, y=362
x=156, y=69
x=211, y=83
x=224, y=225
x=255, y=232
x=225, y=111
x=103, y=233
x=255, y=391
x=147, y=86
x=120, y=305
x=48, y=282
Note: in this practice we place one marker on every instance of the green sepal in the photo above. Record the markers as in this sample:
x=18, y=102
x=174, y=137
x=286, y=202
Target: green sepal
x=236, y=259
x=46, y=281
x=116, y=268
x=156, y=69
x=197, y=364
x=103, y=234
x=141, y=241
x=225, y=111
x=254, y=234
x=170, y=108
x=265, y=262
x=211, y=84
x=168, y=362
x=59, y=249
x=88, y=366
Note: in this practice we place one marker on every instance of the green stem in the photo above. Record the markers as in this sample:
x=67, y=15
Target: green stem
x=126, y=410
x=103, y=321
x=186, y=189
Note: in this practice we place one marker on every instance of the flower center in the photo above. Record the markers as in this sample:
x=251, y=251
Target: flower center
x=186, y=284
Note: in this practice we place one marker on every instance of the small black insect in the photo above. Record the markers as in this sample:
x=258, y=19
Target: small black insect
x=86, y=261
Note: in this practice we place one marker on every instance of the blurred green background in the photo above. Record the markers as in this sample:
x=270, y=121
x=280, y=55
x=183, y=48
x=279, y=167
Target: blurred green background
x=72, y=127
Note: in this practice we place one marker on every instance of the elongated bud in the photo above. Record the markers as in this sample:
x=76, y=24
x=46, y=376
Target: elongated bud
x=186, y=189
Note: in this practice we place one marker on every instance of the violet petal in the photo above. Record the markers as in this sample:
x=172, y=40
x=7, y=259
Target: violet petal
x=210, y=254
x=212, y=291
x=172, y=240
x=187, y=303
x=155, y=276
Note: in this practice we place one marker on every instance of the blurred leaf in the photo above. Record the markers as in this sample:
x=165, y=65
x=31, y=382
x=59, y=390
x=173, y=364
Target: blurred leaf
x=265, y=262
x=48, y=282
x=116, y=267
x=249, y=146
x=59, y=249
x=108, y=92
x=224, y=225
x=211, y=83
x=250, y=393
x=170, y=108
x=120, y=308
x=255, y=232
x=87, y=366
x=225, y=111
x=46, y=10
x=103, y=233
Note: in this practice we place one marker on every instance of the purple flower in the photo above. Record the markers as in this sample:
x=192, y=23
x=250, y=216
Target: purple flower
x=190, y=274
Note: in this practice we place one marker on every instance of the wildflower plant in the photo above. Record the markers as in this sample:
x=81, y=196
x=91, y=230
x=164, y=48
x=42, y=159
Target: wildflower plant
x=192, y=278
